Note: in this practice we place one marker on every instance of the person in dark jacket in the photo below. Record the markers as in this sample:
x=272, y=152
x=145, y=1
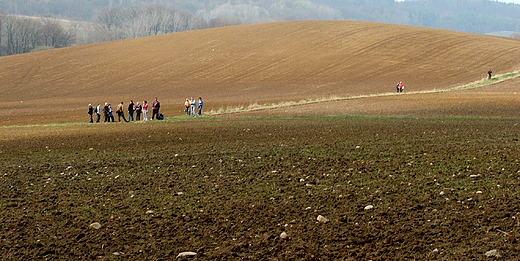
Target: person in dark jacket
x=131, y=110
x=90, y=113
x=200, y=104
x=105, y=112
x=156, y=105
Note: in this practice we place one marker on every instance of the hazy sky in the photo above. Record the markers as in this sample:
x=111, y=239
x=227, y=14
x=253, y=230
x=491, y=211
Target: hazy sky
x=503, y=1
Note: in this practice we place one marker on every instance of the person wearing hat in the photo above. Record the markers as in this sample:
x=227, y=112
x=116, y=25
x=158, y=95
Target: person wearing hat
x=90, y=113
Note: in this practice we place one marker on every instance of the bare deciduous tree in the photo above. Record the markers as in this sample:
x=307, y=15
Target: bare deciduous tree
x=53, y=34
x=110, y=18
x=20, y=34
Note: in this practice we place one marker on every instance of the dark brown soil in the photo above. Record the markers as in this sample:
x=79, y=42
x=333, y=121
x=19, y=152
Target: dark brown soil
x=441, y=189
x=440, y=169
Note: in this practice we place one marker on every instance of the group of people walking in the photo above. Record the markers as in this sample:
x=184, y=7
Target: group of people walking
x=193, y=107
x=136, y=109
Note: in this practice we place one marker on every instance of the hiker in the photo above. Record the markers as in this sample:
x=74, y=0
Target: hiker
x=90, y=113
x=138, y=111
x=187, y=107
x=110, y=113
x=200, y=104
x=156, y=106
x=131, y=110
x=489, y=74
x=192, y=106
x=105, y=112
x=120, y=112
x=145, y=111
x=400, y=85
x=98, y=112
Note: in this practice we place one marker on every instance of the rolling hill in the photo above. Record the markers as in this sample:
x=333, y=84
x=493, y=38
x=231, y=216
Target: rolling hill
x=249, y=64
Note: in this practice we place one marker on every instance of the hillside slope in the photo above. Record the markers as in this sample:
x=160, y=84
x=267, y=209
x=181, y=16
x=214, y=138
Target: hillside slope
x=241, y=65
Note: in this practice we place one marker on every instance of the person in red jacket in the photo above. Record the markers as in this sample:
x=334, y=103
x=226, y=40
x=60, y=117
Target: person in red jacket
x=145, y=110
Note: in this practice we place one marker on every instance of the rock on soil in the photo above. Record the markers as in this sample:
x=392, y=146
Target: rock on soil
x=322, y=219
x=492, y=253
x=186, y=254
x=95, y=225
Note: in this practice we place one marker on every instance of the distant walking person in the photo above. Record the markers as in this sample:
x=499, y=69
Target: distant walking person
x=138, y=111
x=489, y=74
x=131, y=110
x=98, y=112
x=400, y=86
x=110, y=113
x=105, y=111
x=187, y=107
x=192, y=106
x=156, y=106
x=90, y=113
x=200, y=105
x=145, y=110
x=120, y=112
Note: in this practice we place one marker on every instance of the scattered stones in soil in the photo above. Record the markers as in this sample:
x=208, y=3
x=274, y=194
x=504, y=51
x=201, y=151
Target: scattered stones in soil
x=95, y=225
x=493, y=253
x=369, y=207
x=284, y=235
x=322, y=219
x=186, y=254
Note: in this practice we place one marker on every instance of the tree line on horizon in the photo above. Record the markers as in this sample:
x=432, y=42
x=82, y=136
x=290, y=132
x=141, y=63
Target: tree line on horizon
x=31, y=25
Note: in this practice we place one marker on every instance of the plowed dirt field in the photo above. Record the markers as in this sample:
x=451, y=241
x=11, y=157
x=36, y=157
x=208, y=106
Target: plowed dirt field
x=330, y=164
x=240, y=66
x=423, y=189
